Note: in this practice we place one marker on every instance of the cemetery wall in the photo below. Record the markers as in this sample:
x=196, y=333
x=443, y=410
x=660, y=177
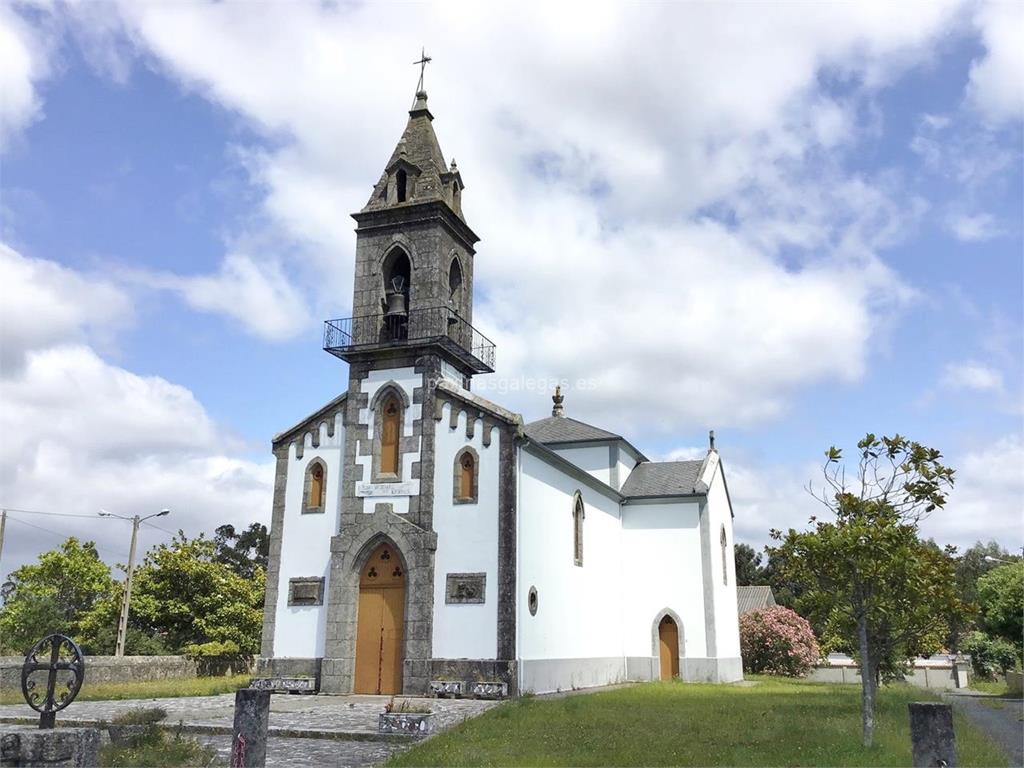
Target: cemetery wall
x=110, y=669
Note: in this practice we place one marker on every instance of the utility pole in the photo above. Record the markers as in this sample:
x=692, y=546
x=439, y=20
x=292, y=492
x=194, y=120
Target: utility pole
x=3, y=524
x=122, y=624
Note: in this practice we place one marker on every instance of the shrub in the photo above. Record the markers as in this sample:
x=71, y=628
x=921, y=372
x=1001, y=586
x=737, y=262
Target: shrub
x=989, y=655
x=140, y=716
x=777, y=641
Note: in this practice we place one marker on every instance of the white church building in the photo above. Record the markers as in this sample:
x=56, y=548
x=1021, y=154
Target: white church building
x=421, y=532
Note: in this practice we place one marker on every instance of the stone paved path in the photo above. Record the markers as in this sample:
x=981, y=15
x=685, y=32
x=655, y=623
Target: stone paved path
x=330, y=715
x=303, y=753
x=999, y=717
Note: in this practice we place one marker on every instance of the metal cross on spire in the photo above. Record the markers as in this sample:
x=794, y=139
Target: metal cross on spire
x=424, y=60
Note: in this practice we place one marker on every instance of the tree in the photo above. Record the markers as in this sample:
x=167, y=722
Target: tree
x=869, y=579
x=748, y=566
x=243, y=552
x=54, y=595
x=184, y=594
x=1001, y=598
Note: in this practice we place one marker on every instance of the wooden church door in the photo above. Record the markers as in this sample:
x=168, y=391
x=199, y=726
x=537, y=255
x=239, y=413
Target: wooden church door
x=668, y=645
x=380, y=622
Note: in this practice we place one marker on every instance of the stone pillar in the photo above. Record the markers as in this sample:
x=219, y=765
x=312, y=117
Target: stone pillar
x=252, y=717
x=931, y=735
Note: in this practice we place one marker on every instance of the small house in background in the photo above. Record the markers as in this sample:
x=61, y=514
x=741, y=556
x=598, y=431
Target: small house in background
x=754, y=598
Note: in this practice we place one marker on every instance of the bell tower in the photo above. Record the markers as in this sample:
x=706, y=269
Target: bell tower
x=413, y=289
x=411, y=326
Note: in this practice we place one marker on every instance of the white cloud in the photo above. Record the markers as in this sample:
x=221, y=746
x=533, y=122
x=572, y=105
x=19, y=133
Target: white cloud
x=25, y=51
x=976, y=228
x=996, y=86
x=987, y=501
x=254, y=293
x=970, y=375
x=716, y=325
x=43, y=304
x=82, y=434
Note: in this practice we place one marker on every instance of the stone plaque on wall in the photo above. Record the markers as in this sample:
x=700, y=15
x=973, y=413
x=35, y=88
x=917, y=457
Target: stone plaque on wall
x=306, y=591
x=407, y=488
x=465, y=588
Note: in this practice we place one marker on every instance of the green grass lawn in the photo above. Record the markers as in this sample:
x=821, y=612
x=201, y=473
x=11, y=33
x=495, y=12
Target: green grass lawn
x=997, y=687
x=776, y=722
x=154, y=689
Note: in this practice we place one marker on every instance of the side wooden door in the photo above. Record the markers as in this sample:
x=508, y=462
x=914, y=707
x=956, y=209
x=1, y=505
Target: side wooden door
x=668, y=646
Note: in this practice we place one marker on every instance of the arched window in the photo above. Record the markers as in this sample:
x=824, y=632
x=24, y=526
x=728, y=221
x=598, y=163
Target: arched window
x=400, y=183
x=390, y=434
x=725, y=560
x=315, y=490
x=455, y=284
x=466, y=478
x=578, y=514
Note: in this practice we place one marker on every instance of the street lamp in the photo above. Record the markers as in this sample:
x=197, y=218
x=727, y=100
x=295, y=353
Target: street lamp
x=122, y=624
x=991, y=559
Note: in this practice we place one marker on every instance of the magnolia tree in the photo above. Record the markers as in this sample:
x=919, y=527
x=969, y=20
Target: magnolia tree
x=777, y=641
x=866, y=578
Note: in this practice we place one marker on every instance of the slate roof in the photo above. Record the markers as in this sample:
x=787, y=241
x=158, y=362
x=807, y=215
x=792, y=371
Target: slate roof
x=752, y=598
x=562, y=429
x=662, y=478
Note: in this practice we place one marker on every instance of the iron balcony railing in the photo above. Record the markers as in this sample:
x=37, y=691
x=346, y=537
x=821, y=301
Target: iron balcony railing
x=425, y=325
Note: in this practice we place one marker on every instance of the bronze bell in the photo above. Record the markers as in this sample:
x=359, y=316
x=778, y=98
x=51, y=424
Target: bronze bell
x=396, y=299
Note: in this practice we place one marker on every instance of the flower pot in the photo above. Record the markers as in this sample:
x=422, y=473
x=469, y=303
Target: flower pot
x=444, y=688
x=409, y=723
x=490, y=689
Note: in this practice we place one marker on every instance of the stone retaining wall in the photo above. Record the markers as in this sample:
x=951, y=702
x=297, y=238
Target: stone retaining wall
x=110, y=669
x=924, y=674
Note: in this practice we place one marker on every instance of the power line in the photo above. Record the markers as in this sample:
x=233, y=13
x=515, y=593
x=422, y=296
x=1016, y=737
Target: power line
x=62, y=535
x=159, y=528
x=48, y=514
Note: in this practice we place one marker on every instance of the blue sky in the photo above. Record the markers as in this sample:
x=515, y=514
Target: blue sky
x=792, y=227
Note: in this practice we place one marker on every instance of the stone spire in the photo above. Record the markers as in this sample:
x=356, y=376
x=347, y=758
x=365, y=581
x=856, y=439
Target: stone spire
x=711, y=441
x=557, y=399
x=417, y=171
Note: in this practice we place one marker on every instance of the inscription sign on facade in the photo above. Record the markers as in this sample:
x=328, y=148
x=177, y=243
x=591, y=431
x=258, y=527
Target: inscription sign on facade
x=465, y=588
x=407, y=488
x=306, y=591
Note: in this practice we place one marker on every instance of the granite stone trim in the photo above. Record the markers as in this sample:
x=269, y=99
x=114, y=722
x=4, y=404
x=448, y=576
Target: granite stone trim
x=384, y=506
x=307, y=488
x=507, y=542
x=708, y=579
x=465, y=588
x=415, y=549
x=306, y=591
x=288, y=666
x=274, y=554
x=457, y=477
x=548, y=675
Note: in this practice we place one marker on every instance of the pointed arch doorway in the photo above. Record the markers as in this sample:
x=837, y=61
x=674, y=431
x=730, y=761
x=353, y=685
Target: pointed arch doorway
x=380, y=623
x=668, y=648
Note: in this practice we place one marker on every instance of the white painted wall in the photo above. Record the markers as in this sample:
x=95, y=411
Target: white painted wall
x=408, y=380
x=626, y=464
x=662, y=569
x=306, y=545
x=578, y=612
x=467, y=542
x=727, y=632
x=595, y=460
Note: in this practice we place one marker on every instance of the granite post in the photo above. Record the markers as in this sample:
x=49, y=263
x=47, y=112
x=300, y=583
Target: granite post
x=252, y=717
x=931, y=735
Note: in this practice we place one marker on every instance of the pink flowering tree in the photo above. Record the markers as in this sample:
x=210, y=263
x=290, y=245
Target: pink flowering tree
x=777, y=641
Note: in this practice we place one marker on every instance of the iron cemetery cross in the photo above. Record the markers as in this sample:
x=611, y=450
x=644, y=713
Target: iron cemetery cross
x=64, y=656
